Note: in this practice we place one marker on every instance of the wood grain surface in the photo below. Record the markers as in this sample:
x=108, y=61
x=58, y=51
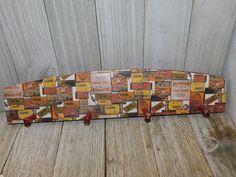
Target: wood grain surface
x=210, y=30
x=166, y=33
x=8, y=135
x=8, y=75
x=177, y=150
x=26, y=30
x=129, y=149
x=74, y=32
x=168, y=146
x=121, y=33
x=217, y=136
x=34, y=151
x=38, y=37
x=41, y=38
x=228, y=72
x=81, y=150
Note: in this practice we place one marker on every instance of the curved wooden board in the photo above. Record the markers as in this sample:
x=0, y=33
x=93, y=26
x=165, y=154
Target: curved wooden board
x=115, y=93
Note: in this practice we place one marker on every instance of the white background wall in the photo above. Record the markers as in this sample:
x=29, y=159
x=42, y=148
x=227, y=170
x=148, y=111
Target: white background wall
x=39, y=38
x=229, y=72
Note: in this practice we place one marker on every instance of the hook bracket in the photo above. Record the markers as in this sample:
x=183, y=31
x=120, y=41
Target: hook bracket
x=147, y=115
x=88, y=118
x=29, y=120
x=205, y=111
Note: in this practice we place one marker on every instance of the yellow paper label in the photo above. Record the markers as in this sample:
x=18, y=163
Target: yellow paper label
x=68, y=118
x=49, y=82
x=51, y=79
x=83, y=87
x=198, y=87
x=25, y=113
x=61, y=115
x=104, y=102
x=145, y=94
x=126, y=95
x=224, y=98
x=174, y=105
x=182, y=111
x=137, y=77
x=17, y=107
x=112, y=109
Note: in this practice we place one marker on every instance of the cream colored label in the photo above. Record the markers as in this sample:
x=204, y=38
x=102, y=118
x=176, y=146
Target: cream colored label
x=130, y=107
x=112, y=109
x=198, y=87
x=83, y=86
x=25, y=113
x=180, y=90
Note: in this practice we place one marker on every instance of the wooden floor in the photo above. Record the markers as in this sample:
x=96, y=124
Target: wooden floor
x=168, y=146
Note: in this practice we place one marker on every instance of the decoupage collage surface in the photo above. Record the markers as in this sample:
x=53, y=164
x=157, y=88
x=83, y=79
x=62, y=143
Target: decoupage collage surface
x=114, y=93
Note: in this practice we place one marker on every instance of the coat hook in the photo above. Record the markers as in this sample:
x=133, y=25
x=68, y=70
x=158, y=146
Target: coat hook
x=29, y=120
x=205, y=111
x=88, y=118
x=147, y=115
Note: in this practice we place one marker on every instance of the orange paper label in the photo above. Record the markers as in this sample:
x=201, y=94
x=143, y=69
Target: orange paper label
x=144, y=105
x=126, y=95
x=39, y=100
x=83, y=76
x=71, y=104
x=156, y=76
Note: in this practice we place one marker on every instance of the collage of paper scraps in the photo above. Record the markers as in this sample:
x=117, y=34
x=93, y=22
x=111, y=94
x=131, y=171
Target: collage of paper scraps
x=114, y=93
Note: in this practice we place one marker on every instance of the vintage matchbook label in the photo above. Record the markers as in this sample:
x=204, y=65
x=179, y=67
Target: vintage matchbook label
x=25, y=113
x=101, y=82
x=13, y=92
x=180, y=90
x=112, y=109
x=130, y=107
x=157, y=106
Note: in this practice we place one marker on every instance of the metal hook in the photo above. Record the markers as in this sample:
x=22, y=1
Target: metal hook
x=29, y=120
x=205, y=111
x=147, y=115
x=87, y=118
